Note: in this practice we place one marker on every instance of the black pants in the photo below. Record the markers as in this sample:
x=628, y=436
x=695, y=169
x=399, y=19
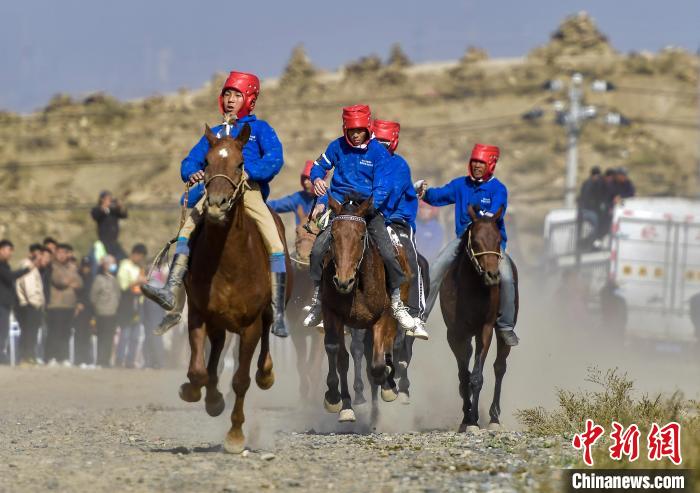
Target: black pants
x=106, y=327
x=29, y=319
x=83, y=337
x=59, y=322
x=416, y=297
x=4, y=333
x=380, y=237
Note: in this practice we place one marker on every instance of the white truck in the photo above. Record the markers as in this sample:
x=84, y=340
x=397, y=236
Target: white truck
x=650, y=264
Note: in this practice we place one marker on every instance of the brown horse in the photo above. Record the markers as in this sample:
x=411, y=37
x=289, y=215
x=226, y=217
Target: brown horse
x=228, y=287
x=354, y=293
x=469, y=297
x=308, y=343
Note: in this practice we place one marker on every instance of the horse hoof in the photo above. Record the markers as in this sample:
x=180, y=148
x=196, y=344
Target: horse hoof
x=190, y=393
x=495, y=427
x=359, y=400
x=471, y=428
x=215, y=406
x=389, y=395
x=404, y=398
x=234, y=445
x=346, y=416
x=264, y=381
x=332, y=408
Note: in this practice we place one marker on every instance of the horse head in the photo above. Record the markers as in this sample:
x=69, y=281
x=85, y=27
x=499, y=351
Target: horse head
x=349, y=238
x=483, y=245
x=223, y=178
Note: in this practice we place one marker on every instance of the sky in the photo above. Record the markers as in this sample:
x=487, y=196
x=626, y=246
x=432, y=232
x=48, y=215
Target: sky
x=137, y=48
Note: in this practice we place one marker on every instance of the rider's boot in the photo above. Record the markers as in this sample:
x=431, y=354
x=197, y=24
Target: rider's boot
x=315, y=316
x=508, y=336
x=166, y=296
x=418, y=331
x=279, y=289
x=400, y=312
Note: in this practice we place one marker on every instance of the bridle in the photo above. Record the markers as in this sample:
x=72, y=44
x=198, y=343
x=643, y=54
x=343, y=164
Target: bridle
x=365, y=237
x=238, y=188
x=473, y=256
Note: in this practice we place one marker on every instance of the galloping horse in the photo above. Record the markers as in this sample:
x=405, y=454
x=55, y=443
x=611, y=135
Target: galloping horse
x=354, y=293
x=228, y=286
x=469, y=297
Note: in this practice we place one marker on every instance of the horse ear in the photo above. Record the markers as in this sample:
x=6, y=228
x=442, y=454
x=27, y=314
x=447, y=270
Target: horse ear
x=334, y=205
x=211, y=136
x=244, y=135
x=472, y=213
x=365, y=206
x=498, y=214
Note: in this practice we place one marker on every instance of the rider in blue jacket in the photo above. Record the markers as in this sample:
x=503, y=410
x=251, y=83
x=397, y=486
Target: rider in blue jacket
x=398, y=202
x=299, y=201
x=262, y=156
x=484, y=192
x=355, y=158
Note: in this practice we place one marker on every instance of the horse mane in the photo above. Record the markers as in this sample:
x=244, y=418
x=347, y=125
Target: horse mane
x=352, y=201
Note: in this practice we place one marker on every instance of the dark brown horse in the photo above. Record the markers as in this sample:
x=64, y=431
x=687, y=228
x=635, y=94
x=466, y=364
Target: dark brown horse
x=354, y=293
x=469, y=298
x=308, y=342
x=228, y=287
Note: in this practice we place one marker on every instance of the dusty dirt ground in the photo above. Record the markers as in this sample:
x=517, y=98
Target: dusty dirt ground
x=120, y=430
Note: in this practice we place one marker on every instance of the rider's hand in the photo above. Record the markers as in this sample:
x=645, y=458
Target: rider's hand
x=421, y=186
x=320, y=187
x=196, y=176
x=318, y=210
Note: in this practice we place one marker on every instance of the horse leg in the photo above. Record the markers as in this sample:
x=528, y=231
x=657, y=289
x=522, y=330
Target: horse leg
x=357, y=347
x=346, y=413
x=214, y=401
x=331, y=401
x=499, y=368
x=406, y=351
x=249, y=336
x=476, y=380
x=300, y=347
x=265, y=377
x=369, y=350
x=315, y=362
x=461, y=347
x=196, y=373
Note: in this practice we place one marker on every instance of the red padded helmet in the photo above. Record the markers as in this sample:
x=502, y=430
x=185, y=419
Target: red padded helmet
x=307, y=172
x=356, y=116
x=387, y=130
x=248, y=85
x=486, y=154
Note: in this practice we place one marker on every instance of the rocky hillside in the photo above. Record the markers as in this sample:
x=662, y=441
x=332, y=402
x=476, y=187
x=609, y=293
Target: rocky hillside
x=53, y=163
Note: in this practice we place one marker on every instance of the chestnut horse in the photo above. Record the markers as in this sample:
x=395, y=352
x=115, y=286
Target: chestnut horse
x=469, y=297
x=228, y=286
x=354, y=293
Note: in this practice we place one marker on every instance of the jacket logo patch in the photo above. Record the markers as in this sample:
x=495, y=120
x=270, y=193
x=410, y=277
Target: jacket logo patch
x=365, y=162
x=486, y=200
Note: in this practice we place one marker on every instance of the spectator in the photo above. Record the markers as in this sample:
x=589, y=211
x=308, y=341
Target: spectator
x=107, y=214
x=60, y=310
x=50, y=244
x=104, y=296
x=153, y=348
x=130, y=276
x=30, y=304
x=45, y=270
x=430, y=234
x=592, y=205
x=8, y=295
x=84, y=315
x=623, y=186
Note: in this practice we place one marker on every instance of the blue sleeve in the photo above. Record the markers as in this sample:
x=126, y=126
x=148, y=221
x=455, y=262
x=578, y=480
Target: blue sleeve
x=270, y=163
x=382, y=186
x=323, y=164
x=195, y=160
x=440, y=196
x=499, y=199
x=285, y=204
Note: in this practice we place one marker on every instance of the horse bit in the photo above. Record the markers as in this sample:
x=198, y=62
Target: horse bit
x=473, y=256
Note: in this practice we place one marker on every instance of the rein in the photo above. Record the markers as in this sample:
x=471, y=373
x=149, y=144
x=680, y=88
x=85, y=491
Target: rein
x=365, y=240
x=473, y=256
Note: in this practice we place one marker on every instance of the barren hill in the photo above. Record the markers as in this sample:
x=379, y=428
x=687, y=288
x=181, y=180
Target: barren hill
x=53, y=163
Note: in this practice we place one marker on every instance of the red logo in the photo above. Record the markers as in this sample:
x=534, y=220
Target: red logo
x=587, y=439
x=665, y=442
x=626, y=442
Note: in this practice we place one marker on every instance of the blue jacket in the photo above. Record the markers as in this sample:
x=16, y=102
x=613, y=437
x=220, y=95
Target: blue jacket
x=262, y=156
x=489, y=196
x=292, y=202
x=354, y=167
x=394, y=194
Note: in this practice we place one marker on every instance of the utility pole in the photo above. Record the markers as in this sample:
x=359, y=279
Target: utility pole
x=572, y=121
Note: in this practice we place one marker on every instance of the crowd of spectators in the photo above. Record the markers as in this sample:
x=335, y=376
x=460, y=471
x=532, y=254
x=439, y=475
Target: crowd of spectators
x=600, y=192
